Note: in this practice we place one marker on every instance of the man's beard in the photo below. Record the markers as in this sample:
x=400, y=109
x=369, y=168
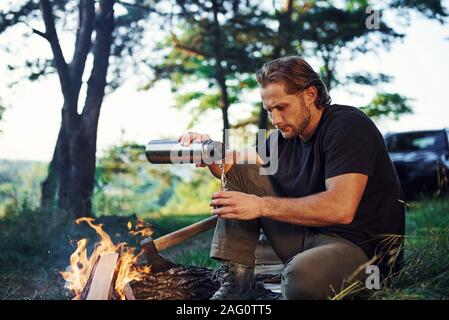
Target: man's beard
x=304, y=119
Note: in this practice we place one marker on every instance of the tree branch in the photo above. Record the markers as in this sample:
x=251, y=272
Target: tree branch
x=97, y=81
x=83, y=41
x=40, y=33
x=35, y=31
x=146, y=8
x=183, y=47
x=61, y=65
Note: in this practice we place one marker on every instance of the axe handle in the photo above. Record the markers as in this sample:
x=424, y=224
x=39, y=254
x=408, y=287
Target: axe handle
x=185, y=233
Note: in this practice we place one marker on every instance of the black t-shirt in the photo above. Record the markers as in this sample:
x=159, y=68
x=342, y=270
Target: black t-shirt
x=347, y=141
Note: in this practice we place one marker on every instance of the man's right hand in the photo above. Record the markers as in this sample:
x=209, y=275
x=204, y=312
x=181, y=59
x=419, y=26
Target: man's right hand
x=188, y=137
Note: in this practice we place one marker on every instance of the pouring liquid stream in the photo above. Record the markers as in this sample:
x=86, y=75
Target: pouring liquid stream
x=223, y=180
x=223, y=177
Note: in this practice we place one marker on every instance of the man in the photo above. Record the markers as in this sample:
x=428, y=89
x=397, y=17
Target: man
x=333, y=206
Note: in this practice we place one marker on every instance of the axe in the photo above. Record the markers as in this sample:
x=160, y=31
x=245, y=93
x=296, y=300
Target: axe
x=152, y=247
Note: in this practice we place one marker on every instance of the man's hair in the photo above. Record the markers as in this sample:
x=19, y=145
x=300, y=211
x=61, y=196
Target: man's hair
x=296, y=75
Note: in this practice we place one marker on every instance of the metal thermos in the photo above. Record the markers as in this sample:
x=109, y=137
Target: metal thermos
x=166, y=151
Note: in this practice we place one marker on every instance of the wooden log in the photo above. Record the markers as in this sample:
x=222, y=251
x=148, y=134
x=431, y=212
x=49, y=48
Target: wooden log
x=89, y=281
x=129, y=294
x=102, y=281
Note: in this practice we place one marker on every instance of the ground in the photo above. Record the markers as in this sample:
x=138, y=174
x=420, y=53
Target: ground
x=36, y=246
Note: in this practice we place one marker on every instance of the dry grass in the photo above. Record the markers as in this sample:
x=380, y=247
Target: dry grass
x=425, y=274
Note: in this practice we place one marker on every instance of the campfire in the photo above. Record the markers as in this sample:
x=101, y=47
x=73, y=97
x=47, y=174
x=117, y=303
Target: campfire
x=112, y=272
x=109, y=270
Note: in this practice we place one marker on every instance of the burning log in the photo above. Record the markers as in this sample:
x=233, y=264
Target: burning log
x=129, y=294
x=178, y=283
x=102, y=285
x=112, y=272
x=106, y=273
x=192, y=283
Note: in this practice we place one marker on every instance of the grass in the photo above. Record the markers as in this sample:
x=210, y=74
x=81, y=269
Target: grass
x=30, y=256
x=425, y=274
x=426, y=271
x=36, y=246
x=195, y=257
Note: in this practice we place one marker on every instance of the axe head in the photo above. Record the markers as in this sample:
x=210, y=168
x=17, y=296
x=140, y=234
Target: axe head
x=157, y=262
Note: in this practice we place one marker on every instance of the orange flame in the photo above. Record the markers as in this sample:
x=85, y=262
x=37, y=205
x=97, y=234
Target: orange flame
x=143, y=229
x=77, y=276
x=81, y=266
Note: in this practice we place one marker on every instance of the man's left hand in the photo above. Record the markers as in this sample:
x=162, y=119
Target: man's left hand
x=236, y=205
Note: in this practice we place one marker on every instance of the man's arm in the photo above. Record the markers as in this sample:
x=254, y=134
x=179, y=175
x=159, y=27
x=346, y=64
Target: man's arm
x=337, y=205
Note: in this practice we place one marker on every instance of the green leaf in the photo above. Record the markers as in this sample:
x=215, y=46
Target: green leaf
x=388, y=105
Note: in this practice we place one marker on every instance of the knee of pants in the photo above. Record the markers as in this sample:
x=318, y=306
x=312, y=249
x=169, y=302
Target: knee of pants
x=300, y=282
x=247, y=178
x=238, y=171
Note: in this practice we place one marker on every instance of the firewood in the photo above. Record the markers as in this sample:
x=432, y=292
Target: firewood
x=129, y=294
x=102, y=280
x=89, y=280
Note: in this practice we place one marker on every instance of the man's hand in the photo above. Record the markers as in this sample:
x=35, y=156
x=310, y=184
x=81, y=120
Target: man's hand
x=236, y=205
x=187, y=138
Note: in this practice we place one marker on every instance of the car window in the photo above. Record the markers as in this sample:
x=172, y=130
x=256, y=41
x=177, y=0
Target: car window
x=416, y=141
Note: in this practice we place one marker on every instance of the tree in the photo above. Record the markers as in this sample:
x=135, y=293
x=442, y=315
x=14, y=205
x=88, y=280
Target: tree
x=329, y=29
x=104, y=36
x=215, y=41
x=385, y=105
x=320, y=29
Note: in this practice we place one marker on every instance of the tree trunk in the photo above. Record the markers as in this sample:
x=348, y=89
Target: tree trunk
x=263, y=118
x=224, y=109
x=72, y=169
x=328, y=73
x=84, y=140
x=83, y=144
x=283, y=45
x=82, y=173
x=49, y=186
x=55, y=187
x=220, y=73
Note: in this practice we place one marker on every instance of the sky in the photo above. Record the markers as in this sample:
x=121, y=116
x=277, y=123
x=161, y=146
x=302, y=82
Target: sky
x=30, y=125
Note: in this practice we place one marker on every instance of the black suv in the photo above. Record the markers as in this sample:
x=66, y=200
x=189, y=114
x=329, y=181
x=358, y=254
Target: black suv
x=421, y=159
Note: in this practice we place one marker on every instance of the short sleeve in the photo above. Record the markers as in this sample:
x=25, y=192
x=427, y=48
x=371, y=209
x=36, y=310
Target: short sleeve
x=350, y=145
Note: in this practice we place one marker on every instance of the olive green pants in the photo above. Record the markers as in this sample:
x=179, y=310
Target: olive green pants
x=317, y=265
